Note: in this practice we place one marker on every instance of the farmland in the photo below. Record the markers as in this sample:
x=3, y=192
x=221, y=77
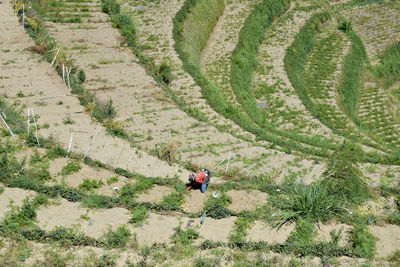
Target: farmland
x=107, y=106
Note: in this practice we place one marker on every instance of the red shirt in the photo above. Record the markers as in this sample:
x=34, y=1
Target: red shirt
x=201, y=178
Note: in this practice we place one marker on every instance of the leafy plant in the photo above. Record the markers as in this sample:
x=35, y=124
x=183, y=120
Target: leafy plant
x=90, y=185
x=364, y=243
x=71, y=167
x=117, y=238
x=139, y=215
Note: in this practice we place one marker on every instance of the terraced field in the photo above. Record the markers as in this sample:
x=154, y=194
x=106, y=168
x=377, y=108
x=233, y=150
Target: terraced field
x=107, y=106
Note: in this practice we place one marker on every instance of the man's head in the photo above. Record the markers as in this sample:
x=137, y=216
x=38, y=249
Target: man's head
x=207, y=172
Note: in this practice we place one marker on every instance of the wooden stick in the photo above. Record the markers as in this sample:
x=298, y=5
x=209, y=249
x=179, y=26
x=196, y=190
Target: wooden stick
x=69, y=113
x=54, y=59
x=134, y=151
x=6, y=125
x=34, y=121
x=70, y=144
x=29, y=123
x=90, y=145
x=229, y=159
x=116, y=162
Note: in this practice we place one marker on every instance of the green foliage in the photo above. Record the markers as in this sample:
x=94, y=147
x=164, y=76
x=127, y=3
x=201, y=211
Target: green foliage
x=172, y=201
x=13, y=117
x=184, y=237
x=71, y=167
x=304, y=233
x=215, y=207
x=242, y=223
x=364, y=243
x=389, y=68
x=126, y=25
x=81, y=76
x=394, y=218
x=104, y=111
x=244, y=56
x=110, y=6
x=395, y=257
x=343, y=178
x=117, y=238
x=313, y=201
x=139, y=215
x=164, y=72
x=89, y=185
x=112, y=180
x=1, y=190
x=353, y=65
x=99, y=202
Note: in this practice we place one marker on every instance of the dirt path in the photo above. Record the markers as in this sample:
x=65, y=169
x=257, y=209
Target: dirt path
x=39, y=87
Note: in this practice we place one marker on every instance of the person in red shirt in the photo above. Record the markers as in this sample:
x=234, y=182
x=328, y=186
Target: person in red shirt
x=200, y=179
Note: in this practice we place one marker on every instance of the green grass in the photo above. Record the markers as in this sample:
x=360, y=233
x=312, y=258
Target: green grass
x=388, y=71
x=314, y=202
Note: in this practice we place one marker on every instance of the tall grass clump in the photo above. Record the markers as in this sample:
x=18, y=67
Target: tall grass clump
x=389, y=68
x=244, y=56
x=314, y=202
x=352, y=68
x=343, y=177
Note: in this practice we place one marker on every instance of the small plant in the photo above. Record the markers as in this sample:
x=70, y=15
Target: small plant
x=81, y=76
x=112, y=180
x=68, y=120
x=139, y=215
x=167, y=151
x=117, y=238
x=215, y=206
x=89, y=185
x=104, y=111
x=71, y=167
x=184, y=237
x=364, y=243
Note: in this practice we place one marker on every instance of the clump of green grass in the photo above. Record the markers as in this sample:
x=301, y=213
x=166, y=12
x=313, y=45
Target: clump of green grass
x=313, y=201
x=389, y=68
x=343, y=177
x=215, y=207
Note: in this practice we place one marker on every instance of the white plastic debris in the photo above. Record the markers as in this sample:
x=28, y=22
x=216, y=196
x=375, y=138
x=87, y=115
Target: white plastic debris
x=216, y=195
x=116, y=188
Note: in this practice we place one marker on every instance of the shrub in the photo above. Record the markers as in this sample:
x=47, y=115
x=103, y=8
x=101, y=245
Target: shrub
x=171, y=202
x=304, y=233
x=99, y=201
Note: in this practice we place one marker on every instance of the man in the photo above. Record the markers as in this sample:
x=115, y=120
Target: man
x=200, y=179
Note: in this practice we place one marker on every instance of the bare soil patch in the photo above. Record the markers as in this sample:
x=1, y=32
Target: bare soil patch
x=263, y=232
x=155, y=194
x=246, y=200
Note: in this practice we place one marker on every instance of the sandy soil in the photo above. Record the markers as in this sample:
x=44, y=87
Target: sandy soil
x=155, y=194
x=194, y=201
x=263, y=232
x=325, y=229
x=246, y=200
x=217, y=230
x=14, y=196
x=377, y=25
x=388, y=238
